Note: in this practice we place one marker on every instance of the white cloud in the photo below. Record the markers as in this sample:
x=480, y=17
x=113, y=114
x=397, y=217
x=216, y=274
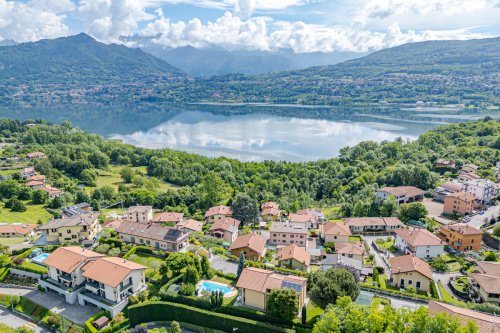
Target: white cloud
x=31, y=21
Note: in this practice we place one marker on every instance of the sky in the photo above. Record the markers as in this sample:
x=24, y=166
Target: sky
x=266, y=25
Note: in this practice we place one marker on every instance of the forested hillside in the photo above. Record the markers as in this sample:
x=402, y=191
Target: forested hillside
x=348, y=181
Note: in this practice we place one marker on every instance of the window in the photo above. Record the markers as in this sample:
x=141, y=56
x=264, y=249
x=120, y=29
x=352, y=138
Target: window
x=73, y=236
x=410, y=282
x=417, y=284
x=68, y=231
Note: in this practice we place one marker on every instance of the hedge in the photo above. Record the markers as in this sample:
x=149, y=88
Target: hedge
x=205, y=304
x=249, y=263
x=433, y=290
x=116, y=327
x=116, y=242
x=165, y=311
x=33, y=268
x=145, y=249
x=130, y=252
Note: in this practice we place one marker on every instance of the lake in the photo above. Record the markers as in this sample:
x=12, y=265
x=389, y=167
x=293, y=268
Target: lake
x=252, y=132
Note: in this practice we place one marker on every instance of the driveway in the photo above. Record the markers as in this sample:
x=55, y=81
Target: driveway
x=223, y=265
x=14, y=320
x=479, y=220
x=397, y=303
x=379, y=261
x=55, y=303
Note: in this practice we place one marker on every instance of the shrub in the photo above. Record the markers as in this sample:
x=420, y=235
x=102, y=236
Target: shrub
x=115, y=242
x=132, y=250
x=145, y=249
x=433, y=290
x=114, y=252
x=103, y=248
x=283, y=303
x=187, y=289
x=380, y=269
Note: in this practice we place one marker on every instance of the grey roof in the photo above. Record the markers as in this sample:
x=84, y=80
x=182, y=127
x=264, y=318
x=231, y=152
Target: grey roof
x=73, y=221
x=287, y=228
x=151, y=231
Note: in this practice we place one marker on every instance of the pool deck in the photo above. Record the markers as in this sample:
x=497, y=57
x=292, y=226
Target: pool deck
x=232, y=293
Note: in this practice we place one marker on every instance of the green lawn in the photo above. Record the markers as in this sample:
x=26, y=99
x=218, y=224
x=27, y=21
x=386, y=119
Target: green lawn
x=444, y=294
x=151, y=262
x=387, y=244
x=222, y=280
x=31, y=215
x=313, y=312
x=6, y=329
x=112, y=178
x=460, y=283
x=354, y=239
x=454, y=267
x=9, y=172
x=10, y=241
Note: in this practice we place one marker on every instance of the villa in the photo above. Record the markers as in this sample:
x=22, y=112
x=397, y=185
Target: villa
x=17, y=230
x=52, y=192
x=218, y=213
x=335, y=232
x=168, y=239
x=403, y=194
x=444, y=164
x=420, y=242
x=271, y=214
x=485, y=283
x=410, y=271
x=255, y=285
x=358, y=225
x=35, y=155
x=465, y=177
x=293, y=257
x=351, y=250
x=225, y=228
x=469, y=168
x=168, y=217
x=27, y=172
x=253, y=247
x=307, y=221
x=286, y=234
x=72, y=229
x=139, y=214
x=88, y=277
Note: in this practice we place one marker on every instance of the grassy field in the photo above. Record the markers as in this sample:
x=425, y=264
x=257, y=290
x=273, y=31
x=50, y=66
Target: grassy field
x=9, y=172
x=354, y=239
x=389, y=245
x=6, y=329
x=151, y=262
x=31, y=215
x=10, y=241
x=444, y=294
x=112, y=178
x=313, y=312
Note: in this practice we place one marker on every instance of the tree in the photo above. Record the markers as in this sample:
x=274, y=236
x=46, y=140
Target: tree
x=8, y=188
x=439, y=264
x=205, y=266
x=470, y=327
x=39, y=197
x=88, y=177
x=241, y=264
x=127, y=174
x=191, y=275
x=329, y=323
x=327, y=286
x=496, y=230
x=283, y=303
x=58, y=202
x=139, y=329
x=24, y=193
x=412, y=211
x=175, y=327
x=16, y=205
x=177, y=261
x=212, y=189
x=245, y=209
x=490, y=256
x=303, y=314
x=389, y=207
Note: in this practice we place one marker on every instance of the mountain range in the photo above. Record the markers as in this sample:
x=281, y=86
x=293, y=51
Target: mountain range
x=49, y=71
x=217, y=61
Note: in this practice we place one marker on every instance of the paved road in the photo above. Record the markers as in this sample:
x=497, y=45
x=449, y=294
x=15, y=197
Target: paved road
x=55, y=303
x=378, y=256
x=478, y=220
x=14, y=320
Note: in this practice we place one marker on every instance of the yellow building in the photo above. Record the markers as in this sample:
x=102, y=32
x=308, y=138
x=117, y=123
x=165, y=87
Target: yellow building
x=293, y=257
x=255, y=285
x=72, y=229
x=410, y=271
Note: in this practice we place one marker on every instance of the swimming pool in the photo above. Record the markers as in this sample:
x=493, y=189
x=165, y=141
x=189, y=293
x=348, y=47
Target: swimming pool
x=40, y=258
x=210, y=286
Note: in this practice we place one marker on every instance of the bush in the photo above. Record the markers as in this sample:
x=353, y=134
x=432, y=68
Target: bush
x=115, y=242
x=161, y=311
x=114, y=252
x=132, y=250
x=103, y=248
x=187, y=289
x=145, y=249
x=380, y=269
x=433, y=290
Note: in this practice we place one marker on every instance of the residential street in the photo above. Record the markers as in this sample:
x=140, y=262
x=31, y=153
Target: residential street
x=14, y=320
x=478, y=220
x=55, y=303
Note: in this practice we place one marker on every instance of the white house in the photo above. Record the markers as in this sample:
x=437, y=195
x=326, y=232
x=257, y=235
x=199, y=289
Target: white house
x=140, y=214
x=483, y=189
x=419, y=242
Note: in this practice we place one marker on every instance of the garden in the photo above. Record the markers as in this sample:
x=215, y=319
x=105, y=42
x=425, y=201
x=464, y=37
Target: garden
x=387, y=244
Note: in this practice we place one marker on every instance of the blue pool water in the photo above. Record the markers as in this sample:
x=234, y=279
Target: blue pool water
x=209, y=286
x=40, y=258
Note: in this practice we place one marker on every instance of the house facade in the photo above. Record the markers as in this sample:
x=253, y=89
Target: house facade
x=402, y=194
x=287, y=234
x=335, y=232
x=483, y=189
x=308, y=221
x=484, y=285
x=218, y=213
x=459, y=203
x=167, y=239
x=255, y=284
x=139, y=214
x=419, y=242
x=445, y=189
x=293, y=257
x=225, y=228
x=17, y=230
x=72, y=229
x=461, y=236
x=409, y=270
x=359, y=225
x=252, y=245
x=168, y=217
x=351, y=250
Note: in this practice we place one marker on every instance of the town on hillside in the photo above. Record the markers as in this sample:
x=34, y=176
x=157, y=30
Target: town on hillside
x=78, y=257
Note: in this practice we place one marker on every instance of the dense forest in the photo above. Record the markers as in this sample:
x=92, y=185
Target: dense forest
x=349, y=181
x=79, y=70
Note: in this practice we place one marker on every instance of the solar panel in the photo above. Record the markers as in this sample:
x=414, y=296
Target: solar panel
x=293, y=286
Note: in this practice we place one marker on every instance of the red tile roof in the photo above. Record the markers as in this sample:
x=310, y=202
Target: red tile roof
x=219, y=210
x=254, y=242
x=410, y=263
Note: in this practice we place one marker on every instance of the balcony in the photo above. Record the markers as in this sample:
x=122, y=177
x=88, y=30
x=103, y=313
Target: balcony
x=126, y=286
x=93, y=287
x=66, y=277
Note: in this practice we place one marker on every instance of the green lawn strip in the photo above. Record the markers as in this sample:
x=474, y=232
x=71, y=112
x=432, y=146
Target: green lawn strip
x=354, y=239
x=32, y=214
x=313, y=312
x=444, y=294
x=6, y=329
x=153, y=264
x=460, y=283
x=10, y=241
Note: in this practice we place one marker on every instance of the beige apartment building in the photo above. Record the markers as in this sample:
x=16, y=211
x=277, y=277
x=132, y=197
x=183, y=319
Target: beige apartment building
x=287, y=234
x=72, y=229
